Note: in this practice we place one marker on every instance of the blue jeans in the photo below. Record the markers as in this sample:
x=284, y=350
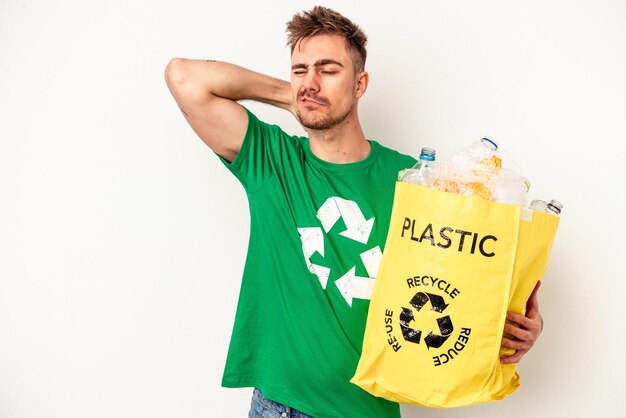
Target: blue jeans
x=262, y=407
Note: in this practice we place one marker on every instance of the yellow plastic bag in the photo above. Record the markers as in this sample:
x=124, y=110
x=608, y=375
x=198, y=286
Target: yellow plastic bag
x=452, y=267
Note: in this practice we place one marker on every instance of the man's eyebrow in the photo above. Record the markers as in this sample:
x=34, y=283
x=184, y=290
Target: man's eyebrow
x=318, y=63
x=327, y=61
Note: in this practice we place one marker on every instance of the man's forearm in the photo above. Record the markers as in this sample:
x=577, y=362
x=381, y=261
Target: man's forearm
x=229, y=81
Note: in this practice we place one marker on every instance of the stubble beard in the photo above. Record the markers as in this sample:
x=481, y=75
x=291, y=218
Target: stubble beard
x=321, y=122
x=318, y=121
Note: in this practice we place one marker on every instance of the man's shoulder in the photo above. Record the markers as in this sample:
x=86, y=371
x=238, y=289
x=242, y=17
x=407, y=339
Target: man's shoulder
x=268, y=128
x=391, y=154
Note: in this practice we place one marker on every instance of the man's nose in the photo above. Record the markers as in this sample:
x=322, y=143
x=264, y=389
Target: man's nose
x=311, y=81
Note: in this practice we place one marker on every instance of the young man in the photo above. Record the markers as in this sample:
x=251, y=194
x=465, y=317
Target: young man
x=320, y=209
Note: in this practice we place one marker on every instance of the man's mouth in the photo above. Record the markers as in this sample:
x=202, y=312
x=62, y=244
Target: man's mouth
x=308, y=100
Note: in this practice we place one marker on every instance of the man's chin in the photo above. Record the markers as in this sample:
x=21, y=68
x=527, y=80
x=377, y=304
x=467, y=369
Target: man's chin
x=314, y=123
x=317, y=125
x=320, y=122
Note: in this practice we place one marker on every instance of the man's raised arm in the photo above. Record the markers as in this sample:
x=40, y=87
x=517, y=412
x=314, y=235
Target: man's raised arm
x=207, y=91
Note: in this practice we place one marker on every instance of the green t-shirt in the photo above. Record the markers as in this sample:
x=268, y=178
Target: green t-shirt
x=316, y=237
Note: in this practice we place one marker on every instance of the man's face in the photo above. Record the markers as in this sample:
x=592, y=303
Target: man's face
x=323, y=81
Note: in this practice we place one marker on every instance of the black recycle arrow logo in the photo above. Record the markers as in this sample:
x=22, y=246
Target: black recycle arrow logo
x=414, y=335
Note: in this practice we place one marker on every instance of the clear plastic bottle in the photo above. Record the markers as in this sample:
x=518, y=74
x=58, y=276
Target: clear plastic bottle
x=538, y=205
x=511, y=188
x=488, y=144
x=421, y=172
x=478, y=150
x=554, y=207
x=501, y=175
x=471, y=171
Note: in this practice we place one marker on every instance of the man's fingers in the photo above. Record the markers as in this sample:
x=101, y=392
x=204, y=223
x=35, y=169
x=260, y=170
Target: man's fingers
x=520, y=320
x=515, y=358
x=516, y=344
x=517, y=332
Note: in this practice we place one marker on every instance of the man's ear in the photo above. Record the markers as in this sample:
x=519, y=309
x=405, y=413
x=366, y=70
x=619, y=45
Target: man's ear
x=362, y=79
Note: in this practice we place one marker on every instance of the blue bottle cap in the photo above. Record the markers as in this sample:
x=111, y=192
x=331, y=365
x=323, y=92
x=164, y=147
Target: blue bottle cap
x=428, y=154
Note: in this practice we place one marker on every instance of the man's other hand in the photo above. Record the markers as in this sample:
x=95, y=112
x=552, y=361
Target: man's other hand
x=521, y=332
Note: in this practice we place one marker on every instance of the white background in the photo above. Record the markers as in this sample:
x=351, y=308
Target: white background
x=122, y=238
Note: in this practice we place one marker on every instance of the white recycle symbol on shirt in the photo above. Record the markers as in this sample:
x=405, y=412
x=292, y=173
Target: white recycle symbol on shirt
x=357, y=229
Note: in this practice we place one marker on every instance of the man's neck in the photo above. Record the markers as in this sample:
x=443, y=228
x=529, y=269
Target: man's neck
x=341, y=144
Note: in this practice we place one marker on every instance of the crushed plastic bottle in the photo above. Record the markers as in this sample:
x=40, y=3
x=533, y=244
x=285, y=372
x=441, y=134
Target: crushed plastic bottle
x=421, y=172
x=472, y=171
x=479, y=169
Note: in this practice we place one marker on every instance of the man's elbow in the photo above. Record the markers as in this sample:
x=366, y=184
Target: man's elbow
x=175, y=72
x=179, y=76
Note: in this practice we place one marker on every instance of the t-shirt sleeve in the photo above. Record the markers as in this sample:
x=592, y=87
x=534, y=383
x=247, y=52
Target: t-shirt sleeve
x=254, y=165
